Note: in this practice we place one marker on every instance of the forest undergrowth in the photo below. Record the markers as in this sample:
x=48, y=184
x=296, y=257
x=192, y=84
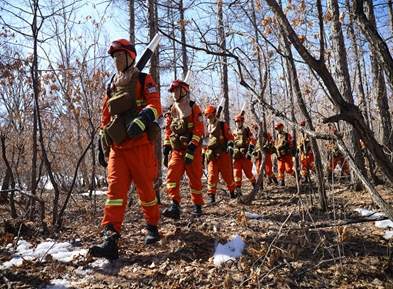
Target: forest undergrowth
x=291, y=245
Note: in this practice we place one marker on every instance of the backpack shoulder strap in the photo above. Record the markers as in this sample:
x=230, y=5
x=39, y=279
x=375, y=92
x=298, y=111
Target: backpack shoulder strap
x=222, y=129
x=142, y=77
x=108, y=88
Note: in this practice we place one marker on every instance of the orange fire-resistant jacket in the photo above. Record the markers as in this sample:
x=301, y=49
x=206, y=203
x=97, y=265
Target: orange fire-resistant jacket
x=176, y=166
x=306, y=156
x=133, y=160
x=284, y=162
x=268, y=162
x=243, y=164
x=222, y=164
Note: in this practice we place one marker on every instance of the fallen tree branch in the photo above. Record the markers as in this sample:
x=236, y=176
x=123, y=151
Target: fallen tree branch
x=37, y=199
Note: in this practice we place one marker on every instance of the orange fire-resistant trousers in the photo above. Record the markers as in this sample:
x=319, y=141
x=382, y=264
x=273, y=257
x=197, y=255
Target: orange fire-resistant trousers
x=176, y=169
x=125, y=165
x=222, y=165
x=307, y=163
x=268, y=166
x=240, y=165
x=285, y=164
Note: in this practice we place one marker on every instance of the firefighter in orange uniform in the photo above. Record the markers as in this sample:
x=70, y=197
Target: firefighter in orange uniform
x=244, y=147
x=335, y=157
x=284, y=145
x=306, y=154
x=127, y=136
x=218, y=154
x=183, y=138
x=268, y=148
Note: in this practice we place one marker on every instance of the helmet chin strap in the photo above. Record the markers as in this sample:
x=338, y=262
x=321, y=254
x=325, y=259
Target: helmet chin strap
x=181, y=96
x=127, y=62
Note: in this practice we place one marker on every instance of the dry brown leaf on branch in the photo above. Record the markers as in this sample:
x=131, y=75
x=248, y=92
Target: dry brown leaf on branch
x=342, y=16
x=328, y=16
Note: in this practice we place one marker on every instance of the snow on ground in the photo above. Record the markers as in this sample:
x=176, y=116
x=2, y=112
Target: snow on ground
x=70, y=251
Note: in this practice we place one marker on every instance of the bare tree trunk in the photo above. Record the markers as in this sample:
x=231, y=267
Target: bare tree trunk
x=223, y=61
x=154, y=71
x=380, y=92
x=360, y=86
x=34, y=75
x=347, y=111
x=344, y=83
x=303, y=108
x=183, y=41
x=378, y=45
x=390, y=12
x=131, y=11
x=10, y=177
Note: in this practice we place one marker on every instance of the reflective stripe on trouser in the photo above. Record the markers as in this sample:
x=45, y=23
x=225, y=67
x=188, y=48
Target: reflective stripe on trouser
x=285, y=164
x=268, y=166
x=241, y=165
x=307, y=163
x=338, y=161
x=136, y=164
x=222, y=165
x=176, y=169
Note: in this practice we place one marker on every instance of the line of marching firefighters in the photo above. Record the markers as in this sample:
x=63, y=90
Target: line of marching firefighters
x=126, y=148
x=230, y=154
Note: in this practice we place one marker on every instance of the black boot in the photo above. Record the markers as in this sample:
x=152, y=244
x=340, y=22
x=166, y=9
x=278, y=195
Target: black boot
x=239, y=191
x=152, y=234
x=305, y=179
x=173, y=212
x=197, y=211
x=108, y=249
x=253, y=185
x=275, y=181
x=233, y=196
x=282, y=183
x=212, y=199
x=330, y=177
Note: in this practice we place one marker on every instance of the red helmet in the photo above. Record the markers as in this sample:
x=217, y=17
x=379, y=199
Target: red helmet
x=239, y=117
x=178, y=83
x=210, y=109
x=302, y=123
x=278, y=124
x=122, y=44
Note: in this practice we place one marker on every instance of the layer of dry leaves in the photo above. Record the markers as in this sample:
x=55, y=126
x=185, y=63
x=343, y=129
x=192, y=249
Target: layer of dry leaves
x=294, y=245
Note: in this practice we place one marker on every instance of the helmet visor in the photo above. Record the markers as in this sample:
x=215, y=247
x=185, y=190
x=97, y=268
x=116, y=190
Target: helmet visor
x=117, y=45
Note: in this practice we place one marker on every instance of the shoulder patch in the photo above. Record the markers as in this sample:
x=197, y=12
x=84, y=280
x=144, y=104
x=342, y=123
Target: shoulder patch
x=151, y=88
x=200, y=117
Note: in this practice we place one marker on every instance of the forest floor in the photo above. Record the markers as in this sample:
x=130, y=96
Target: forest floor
x=293, y=244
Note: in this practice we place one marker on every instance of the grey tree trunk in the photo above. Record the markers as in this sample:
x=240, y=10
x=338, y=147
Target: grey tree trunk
x=322, y=197
x=131, y=9
x=380, y=92
x=154, y=71
x=223, y=61
x=344, y=83
x=348, y=112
